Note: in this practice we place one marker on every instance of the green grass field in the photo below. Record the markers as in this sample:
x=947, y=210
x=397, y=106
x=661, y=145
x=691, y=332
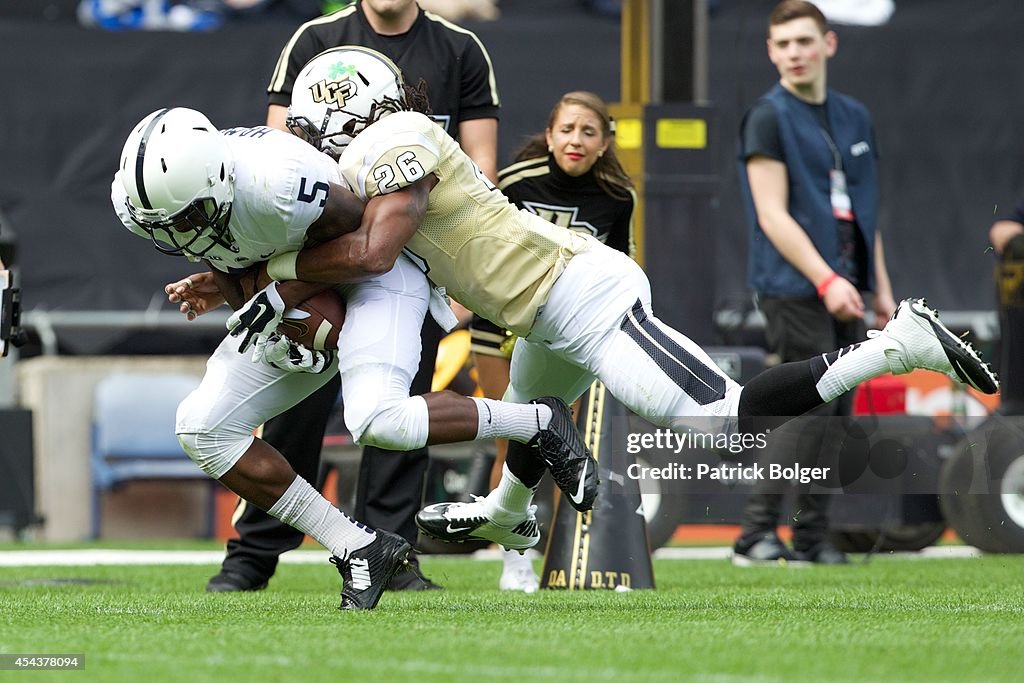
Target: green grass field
x=893, y=619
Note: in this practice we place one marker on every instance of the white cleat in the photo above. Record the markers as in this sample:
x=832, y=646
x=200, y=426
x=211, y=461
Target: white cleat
x=920, y=340
x=460, y=522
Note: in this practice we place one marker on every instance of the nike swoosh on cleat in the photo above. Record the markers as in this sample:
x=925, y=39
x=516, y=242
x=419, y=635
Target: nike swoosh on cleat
x=456, y=529
x=961, y=371
x=578, y=496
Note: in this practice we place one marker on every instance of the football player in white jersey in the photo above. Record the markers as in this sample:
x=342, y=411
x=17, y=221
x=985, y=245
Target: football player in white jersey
x=581, y=310
x=236, y=198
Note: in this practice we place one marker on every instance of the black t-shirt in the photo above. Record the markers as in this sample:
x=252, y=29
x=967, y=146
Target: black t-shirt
x=760, y=137
x=760, y=134
x=452, y=61
x=578, y=203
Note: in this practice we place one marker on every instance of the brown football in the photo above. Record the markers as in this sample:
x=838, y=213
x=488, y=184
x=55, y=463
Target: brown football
x=326, y=313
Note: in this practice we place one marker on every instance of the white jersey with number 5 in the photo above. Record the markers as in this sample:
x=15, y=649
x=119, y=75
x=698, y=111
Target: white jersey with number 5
x=491, y=257
x=281, y=186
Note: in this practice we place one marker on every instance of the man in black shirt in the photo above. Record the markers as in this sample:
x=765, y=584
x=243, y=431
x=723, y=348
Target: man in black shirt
x=460, y=84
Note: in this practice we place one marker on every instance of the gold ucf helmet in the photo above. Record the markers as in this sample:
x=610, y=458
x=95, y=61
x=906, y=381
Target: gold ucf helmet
x=342, y=91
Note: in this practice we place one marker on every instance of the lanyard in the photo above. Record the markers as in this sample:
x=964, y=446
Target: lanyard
x=837, y=159
x=842, y=207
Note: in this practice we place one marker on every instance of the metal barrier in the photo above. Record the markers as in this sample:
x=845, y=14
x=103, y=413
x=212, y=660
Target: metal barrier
x=46, y=323
x=984, y=324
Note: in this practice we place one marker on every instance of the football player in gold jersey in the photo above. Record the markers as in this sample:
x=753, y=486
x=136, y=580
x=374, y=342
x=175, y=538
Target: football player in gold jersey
x=582, y=310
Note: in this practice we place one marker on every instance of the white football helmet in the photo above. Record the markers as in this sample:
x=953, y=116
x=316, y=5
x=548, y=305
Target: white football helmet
x=342, y=91
x=178, y=172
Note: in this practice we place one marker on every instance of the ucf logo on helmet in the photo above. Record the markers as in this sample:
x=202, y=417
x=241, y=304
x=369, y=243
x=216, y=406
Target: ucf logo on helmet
x=332, y=92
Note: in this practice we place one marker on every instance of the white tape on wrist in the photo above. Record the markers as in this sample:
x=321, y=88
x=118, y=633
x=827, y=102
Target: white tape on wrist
x=282, y=267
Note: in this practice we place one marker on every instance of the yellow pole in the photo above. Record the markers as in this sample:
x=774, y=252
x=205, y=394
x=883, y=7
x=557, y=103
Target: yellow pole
x=635, y=85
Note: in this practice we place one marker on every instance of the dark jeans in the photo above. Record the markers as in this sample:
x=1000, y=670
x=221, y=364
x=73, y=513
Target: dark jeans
x=797, y=329
x=1010, y=283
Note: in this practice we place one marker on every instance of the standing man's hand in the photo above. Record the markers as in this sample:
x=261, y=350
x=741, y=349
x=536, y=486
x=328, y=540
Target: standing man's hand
x=842, y=300
x=885, y=306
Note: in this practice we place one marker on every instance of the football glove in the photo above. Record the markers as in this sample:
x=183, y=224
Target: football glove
x=257, y=320
x=291, y=356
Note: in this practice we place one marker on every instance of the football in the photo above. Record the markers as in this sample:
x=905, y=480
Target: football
x=319, y=329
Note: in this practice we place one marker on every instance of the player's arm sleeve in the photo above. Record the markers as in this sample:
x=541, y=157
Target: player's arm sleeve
x=304, y=187
x=395, y=163
x=300, y=48
x=478, y=91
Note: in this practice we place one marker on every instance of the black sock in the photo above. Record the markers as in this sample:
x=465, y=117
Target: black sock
x=822, y=362
x=523, y=462
x=780, y=393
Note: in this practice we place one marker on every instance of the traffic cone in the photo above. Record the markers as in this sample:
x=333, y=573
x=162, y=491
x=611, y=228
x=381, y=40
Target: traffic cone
x=606, y=547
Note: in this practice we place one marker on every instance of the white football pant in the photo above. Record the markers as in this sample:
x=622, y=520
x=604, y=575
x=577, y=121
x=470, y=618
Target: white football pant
x=597, y=323
x=379, y=351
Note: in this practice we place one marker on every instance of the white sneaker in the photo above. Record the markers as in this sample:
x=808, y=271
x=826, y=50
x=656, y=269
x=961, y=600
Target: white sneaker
x=517, y=572
x=920, y=340
x=459, y=522
x=515, y=577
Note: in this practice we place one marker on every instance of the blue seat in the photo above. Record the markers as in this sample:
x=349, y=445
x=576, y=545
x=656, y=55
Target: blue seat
x=133, y=433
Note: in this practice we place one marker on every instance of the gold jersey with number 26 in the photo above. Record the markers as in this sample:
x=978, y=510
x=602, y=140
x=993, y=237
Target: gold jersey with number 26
x=496, y=260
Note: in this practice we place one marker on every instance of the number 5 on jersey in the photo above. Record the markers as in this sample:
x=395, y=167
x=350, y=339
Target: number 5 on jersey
x=311, y=195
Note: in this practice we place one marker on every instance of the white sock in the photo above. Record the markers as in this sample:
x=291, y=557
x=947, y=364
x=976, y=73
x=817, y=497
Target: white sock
x=508, y=503
x=865, y=361
x=504, y=420
x=309, y=512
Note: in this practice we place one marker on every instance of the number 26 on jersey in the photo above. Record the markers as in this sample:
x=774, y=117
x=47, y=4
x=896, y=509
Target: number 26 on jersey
x=389, y=177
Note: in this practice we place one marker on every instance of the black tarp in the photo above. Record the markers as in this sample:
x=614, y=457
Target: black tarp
x=73, y=95
x=943, y=79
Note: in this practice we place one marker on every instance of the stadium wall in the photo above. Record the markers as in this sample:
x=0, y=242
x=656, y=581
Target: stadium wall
x=943, y=80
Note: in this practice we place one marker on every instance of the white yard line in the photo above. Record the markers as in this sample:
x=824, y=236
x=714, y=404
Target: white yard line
x=931, y=553
x=92, y=557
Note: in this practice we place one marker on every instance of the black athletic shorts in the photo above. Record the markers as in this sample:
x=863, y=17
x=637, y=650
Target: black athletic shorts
x=489, y=339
